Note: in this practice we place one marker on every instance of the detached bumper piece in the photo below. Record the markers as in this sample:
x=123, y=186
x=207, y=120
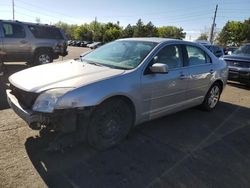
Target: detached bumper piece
x=61, y=120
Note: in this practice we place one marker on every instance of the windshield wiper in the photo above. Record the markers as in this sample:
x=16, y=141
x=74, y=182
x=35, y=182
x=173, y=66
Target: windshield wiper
x=94, y=63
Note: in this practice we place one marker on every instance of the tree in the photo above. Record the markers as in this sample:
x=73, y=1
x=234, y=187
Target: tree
x=171, y=32
x=139, y=29
x=246, y=30
x=203, y=36
x=231, y=34
x=112, y=34
x=82, y=32
x=150, y=30
x=128, y=32
x=98, y=30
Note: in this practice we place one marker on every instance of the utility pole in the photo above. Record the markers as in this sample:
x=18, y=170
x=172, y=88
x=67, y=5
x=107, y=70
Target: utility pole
x=13, y=9
x=211, y=38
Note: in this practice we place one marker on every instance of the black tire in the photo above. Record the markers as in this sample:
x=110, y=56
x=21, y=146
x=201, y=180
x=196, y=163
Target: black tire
x=110, y=123
x=212, y=97
x=43, y=57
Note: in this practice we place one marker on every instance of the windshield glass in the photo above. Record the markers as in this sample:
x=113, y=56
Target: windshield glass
x=120, y=54
x=243, y=50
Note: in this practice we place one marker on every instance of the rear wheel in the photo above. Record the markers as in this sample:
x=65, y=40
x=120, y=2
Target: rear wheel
x=43, y=57
x=212, y=98
x=110, y=123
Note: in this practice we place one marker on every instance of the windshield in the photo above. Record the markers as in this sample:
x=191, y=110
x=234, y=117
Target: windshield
x=120, y=54
x=243, y=50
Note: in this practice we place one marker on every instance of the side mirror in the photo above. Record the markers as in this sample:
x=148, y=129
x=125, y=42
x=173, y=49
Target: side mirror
x=159, y=68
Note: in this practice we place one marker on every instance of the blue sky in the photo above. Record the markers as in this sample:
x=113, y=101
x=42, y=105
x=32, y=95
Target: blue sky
x=193, y=16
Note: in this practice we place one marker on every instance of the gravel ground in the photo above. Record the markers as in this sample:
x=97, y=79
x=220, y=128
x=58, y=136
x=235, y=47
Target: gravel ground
x=191, y=148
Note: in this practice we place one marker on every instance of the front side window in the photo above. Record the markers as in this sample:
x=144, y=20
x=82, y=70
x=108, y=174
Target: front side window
x=12, y=30
x=196, y=56
x=120, y=54
x=170, y=55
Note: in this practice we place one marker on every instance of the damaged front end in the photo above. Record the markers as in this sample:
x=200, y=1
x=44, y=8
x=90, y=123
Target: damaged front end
x=62, y=120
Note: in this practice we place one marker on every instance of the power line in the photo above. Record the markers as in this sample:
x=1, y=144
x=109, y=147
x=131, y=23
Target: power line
x=45, y=9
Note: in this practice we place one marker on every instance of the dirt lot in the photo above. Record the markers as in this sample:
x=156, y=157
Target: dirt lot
x=191, y=148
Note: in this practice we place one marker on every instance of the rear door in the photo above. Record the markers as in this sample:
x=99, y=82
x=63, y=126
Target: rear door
x=201, y=71
x=15, y=41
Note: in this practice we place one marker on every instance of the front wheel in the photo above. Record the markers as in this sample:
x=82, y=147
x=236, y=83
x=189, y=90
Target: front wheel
x=110, y=123
x=212, y=98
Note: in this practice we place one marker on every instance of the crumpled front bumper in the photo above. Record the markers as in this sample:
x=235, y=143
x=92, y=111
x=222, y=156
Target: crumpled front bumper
x=61, y=120
x=27, y=115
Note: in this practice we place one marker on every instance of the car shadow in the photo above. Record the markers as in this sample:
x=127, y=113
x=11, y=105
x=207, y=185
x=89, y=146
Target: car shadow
x=191, y=148
x=9, y=69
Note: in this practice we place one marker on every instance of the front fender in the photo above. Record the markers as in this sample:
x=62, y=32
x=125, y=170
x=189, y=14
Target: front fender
x=93, y=94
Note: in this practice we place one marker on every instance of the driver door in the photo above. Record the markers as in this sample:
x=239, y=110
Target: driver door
x=164, y=93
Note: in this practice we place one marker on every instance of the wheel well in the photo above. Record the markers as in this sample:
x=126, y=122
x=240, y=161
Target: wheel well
x=220, y=84
x=125, y=99
x=46, y=49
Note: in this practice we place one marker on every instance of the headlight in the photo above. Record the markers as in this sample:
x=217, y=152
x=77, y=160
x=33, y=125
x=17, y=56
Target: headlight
x=47, y=100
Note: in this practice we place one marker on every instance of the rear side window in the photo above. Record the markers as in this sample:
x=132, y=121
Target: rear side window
x=42, y=32
x=12, y=30
x=196, y=56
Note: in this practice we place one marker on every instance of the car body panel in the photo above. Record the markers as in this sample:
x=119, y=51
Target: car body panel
x=66, y=74
x=152, y=95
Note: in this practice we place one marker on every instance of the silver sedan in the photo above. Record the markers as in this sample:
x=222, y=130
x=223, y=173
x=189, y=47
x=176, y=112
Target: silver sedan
x=108, y=91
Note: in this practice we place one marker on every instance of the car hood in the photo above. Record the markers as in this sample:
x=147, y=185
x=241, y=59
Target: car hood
x=64, y=74
x=236, y=58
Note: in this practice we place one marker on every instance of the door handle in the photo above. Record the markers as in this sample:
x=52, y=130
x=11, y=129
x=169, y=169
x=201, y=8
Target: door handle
x=23, y=41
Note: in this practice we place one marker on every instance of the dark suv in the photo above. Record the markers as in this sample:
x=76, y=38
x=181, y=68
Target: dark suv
x=32, y=43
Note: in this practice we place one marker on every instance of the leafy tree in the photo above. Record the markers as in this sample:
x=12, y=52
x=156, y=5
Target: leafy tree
x=112, y=34
x=246, y=30
x=150, y=30
x=231, y=34
x=203, y=36
x=83, y=33
x=139, y=29
x=98, y=30
x=128, y=31
x=171, y=32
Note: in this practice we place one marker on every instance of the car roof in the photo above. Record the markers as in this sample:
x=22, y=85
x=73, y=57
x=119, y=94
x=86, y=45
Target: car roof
x=28, y=23
x=150, y=39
